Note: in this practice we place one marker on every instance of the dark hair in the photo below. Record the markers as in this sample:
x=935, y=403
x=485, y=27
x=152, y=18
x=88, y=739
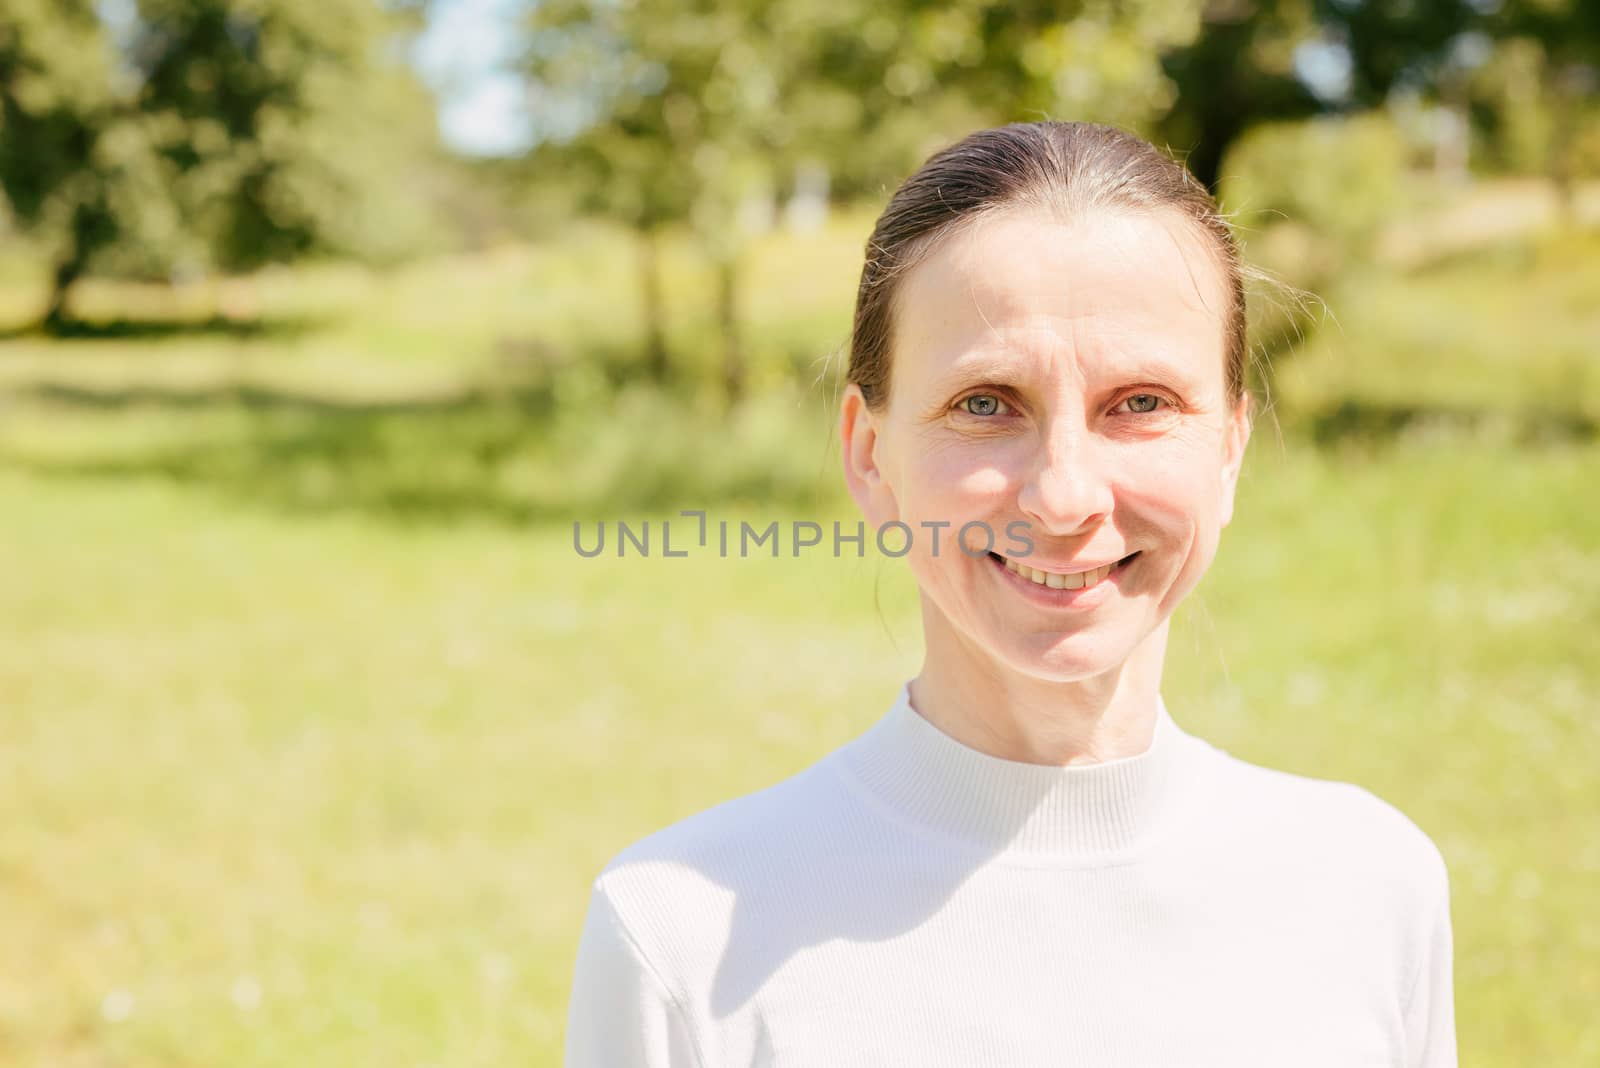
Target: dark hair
x=1067, y=168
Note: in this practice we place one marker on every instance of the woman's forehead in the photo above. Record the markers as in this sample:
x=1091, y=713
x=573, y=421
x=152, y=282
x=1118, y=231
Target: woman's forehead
x=1022, y=284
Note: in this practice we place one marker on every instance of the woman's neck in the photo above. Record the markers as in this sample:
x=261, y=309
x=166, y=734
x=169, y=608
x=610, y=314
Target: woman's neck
x=1005, y=713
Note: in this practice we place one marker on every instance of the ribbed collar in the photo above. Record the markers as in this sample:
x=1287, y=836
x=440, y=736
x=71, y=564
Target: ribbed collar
x=1078, y=813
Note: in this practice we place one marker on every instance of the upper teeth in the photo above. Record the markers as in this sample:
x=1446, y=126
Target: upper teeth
x=1056, y=581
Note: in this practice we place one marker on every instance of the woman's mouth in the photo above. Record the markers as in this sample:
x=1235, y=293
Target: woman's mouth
x=1063, y=580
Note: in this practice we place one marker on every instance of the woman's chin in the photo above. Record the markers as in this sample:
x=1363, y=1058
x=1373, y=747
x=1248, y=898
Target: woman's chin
x=1064, y=647
x=1072, y=657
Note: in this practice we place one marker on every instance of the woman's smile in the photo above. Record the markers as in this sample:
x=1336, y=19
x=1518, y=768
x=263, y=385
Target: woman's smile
x=1081, y=588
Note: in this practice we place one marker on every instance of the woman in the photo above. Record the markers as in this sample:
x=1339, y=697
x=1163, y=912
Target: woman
x=1026, y=860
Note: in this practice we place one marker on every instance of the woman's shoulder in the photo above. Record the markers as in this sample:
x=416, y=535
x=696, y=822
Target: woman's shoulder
x=680, y=891
x=786, y=820
x=1345, y=822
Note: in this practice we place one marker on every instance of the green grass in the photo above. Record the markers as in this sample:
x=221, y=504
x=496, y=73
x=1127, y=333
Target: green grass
x=326, y=791
x=1504, y=330
x=314, y=728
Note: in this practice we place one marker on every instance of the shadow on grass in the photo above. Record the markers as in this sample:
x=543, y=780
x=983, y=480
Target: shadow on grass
x=495, y=453
x=254, y=398
x=1377, y=424
x=534, y=453
x=281, y=327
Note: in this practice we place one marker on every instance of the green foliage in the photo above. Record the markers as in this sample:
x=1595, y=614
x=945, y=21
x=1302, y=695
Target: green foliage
x=1236, y=72
x=56, y=102
x=1391, y=45
x=688, y=108
x=1537, y=112
x=288, y=130
x=1308, y=200
x=699, y=114
x=1501, y=338
x=1341, y=177
x=188, y=136
x=55, y=69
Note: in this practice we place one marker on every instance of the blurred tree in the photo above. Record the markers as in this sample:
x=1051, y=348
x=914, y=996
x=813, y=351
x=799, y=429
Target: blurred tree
x=595, y=77
x=1238, y=71
x=63, y=143
x=156, y=136
x=1567, y=36
x=699, y=112
x=284, y=120
x=685, y=111
x=1434, y=46
x=1394, y=43
x=1309, y=198
x=696, y=112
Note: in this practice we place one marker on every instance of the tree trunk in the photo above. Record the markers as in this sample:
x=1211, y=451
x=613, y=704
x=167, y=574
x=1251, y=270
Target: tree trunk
x=653, y=306
x=1567, y=94
x=733, y=369
x=67, y=271
x=91, y=228
x=1222, y=91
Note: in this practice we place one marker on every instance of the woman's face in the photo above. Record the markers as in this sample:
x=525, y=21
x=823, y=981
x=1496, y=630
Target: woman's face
x=1069, y=379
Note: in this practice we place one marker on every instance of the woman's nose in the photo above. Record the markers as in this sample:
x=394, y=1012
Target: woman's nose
x=1066, y=491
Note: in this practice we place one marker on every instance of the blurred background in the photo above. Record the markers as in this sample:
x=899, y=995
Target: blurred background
x=322, y=321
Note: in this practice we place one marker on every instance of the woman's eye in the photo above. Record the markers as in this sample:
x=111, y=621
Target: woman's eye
x=1141, y=403
x=981, y=404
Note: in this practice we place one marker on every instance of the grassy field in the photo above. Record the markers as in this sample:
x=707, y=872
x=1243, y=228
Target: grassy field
x=314, y=728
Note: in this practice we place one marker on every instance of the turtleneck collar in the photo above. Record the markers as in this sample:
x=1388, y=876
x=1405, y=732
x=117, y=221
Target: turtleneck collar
x=1073, y=814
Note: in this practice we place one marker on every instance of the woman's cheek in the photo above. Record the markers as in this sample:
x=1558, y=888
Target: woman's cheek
x=1176, y=478
x=956, y=488
x=938, y=497
x=1155, y=482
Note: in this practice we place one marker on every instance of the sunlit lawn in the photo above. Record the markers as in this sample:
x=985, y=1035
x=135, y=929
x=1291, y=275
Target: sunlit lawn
x=314, y=728
x=1511, y=328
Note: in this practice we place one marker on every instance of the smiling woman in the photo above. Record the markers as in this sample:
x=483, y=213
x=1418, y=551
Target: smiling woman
x=1107, y=424
x=1026, y=860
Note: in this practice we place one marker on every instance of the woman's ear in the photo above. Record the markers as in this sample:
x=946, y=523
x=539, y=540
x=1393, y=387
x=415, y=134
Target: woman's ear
x=1236, y=437
x=858, y=445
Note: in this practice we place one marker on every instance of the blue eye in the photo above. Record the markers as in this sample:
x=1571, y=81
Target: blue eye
x=981, y=404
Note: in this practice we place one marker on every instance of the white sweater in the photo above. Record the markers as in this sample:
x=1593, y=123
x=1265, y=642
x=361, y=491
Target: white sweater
x=910, y=901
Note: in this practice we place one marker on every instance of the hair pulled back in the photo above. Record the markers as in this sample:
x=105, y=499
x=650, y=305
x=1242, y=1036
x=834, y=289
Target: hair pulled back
x=1065, y=168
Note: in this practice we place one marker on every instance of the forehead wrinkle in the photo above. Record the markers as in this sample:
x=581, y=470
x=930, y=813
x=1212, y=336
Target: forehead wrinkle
x=1006, y=362
x=1035, y=344
x=1205, y=305
x=1131, y=254
x=972, y=295
x=1025, y=359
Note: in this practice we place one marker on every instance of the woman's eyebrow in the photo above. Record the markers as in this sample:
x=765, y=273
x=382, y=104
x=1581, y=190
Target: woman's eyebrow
x=1155, y=369
x=1000, y=370
x=984, y=370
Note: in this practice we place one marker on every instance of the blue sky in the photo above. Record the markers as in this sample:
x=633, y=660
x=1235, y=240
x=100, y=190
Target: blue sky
x=463, y=55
